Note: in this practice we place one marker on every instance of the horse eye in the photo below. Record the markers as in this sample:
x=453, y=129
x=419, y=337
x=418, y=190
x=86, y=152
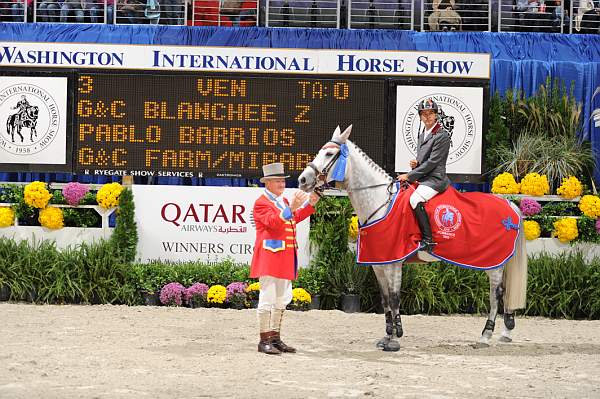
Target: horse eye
x=328, y=154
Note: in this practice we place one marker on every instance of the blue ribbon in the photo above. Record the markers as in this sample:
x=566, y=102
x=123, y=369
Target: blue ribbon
x=339, y=171
x=508, y=224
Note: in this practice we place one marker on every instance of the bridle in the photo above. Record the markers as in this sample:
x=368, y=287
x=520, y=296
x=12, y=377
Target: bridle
x=321, y=175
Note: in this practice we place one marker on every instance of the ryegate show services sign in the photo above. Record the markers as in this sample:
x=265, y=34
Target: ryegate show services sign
x=206, y=224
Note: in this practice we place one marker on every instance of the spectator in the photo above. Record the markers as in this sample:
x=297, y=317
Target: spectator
x=18, y=11
x=94, y=9
x=48, y=11
x=72, y=11
x=444, y=17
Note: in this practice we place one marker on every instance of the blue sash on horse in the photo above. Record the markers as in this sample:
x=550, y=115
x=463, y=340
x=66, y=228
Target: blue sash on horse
x=472, y=230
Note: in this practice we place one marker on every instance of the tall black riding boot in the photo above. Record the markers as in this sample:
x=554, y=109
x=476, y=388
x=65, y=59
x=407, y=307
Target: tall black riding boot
x=427, y=243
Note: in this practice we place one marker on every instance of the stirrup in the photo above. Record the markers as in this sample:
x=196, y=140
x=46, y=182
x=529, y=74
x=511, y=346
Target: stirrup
x=426, y=245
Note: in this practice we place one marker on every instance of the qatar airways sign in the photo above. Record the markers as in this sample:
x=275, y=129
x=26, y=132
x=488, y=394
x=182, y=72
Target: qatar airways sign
x=206, y=224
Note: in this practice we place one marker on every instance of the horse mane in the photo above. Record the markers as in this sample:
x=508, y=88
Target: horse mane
x=370, y=162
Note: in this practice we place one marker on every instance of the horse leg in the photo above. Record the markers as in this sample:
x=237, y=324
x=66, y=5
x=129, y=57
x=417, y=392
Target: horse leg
x=386, y=343
x=496, y=293
x=19, y=127
x=395, y=276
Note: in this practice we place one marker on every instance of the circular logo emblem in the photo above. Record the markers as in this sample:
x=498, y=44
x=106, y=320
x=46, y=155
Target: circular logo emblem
x=455, y=116
x=447, y=218
x=29, y=119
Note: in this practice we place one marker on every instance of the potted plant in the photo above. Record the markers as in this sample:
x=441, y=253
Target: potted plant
x=236, y=295
x=172, y=294
x=195, y=295
x=301, y=299
x=216, y=296
x=351, y=278
x=252, y=293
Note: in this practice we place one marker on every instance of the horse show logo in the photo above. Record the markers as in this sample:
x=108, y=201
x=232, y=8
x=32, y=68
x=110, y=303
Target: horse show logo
x=29, y=119
x=454, y=115
x=447, y=218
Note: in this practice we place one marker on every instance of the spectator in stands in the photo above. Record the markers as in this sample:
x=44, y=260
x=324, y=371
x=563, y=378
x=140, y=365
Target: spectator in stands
x=48, y=11
x=94, y=9
x=18, y=10
x=71, y=11
x=444, y=17
x=559, y=14
x=131, y=11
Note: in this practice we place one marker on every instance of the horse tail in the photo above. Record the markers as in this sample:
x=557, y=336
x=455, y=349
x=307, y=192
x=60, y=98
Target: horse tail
x=515, y=272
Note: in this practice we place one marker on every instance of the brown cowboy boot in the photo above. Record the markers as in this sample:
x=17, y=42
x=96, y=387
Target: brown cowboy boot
x=265, y=344
x=276, y=319
x=279, y=344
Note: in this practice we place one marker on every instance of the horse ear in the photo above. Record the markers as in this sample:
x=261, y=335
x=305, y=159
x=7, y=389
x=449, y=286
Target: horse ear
x=346, y=133
x=337, y=131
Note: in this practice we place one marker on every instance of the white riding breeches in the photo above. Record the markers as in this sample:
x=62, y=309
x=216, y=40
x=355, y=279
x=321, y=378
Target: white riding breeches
x=422, y=194
x=275, y=293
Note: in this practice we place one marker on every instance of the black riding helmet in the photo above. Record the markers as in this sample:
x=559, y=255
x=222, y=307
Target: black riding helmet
x=428, y=103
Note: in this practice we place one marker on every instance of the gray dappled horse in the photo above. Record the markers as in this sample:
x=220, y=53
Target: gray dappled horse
x=369, y=189
x=18, y=121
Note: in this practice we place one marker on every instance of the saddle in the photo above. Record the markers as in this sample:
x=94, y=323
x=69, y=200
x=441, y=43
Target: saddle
x=472, y=230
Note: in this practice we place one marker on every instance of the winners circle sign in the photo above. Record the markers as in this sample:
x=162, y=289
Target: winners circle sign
x=459, y=112
x=33, y=119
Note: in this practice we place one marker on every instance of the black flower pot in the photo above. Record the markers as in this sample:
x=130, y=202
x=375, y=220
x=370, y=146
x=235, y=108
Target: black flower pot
x=4, y=292
x=151, y=298
x=315, y=302
x=351, y=303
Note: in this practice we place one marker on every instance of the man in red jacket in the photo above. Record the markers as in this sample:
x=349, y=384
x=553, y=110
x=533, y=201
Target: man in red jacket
x=275, y=259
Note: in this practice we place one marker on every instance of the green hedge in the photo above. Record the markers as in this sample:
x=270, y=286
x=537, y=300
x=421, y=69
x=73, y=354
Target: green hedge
x=559, y=286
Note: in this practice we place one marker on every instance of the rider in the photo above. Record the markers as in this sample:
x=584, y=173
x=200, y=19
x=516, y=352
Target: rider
x=429, y=168
x=23, y=105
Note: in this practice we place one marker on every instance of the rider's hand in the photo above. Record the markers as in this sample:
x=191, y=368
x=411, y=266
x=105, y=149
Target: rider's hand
x=403, y=177
x=299, y=198
x=314, y=198
x=413, y=163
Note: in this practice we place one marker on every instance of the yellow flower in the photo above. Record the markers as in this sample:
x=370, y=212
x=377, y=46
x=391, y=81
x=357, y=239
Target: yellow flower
x=532, y=229
x=590, y=206
x=253, y=287
x=535, y=184
x=353, y=228
x=216, y=294
x=36, y=195
x=566, y=229
x=51, y=218
x=7, y=216
x=570, y=188
x=108, y=195
x=505, y=184
x=300, y=296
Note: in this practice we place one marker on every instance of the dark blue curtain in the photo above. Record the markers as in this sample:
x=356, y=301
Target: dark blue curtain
x=519, y=60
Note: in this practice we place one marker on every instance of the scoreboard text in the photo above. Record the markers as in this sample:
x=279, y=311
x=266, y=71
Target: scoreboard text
x=212, y=125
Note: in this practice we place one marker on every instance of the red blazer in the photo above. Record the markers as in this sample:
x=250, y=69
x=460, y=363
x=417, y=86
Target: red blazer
x=275, y=249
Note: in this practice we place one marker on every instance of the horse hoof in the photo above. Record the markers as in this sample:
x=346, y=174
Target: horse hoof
x=481, y=345
x=392, y=346
x=504, y=339
x=382, y=342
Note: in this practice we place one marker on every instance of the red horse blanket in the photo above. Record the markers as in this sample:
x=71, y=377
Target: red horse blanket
x=473, y=230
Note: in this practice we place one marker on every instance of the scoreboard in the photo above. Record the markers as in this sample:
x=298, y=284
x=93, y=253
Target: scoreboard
x=218, y=125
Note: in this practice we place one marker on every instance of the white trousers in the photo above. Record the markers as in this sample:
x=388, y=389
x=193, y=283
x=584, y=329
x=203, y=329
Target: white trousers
x=275, y=293
x=422, y=194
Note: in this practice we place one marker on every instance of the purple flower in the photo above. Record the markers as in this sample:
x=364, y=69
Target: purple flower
x=530, y=207
x=171, y=294
x=236, y=289
x=195, y=290
x=598, y=226
x=74, y=192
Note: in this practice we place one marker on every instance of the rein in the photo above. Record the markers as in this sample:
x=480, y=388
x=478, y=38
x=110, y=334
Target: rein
x=322, y=176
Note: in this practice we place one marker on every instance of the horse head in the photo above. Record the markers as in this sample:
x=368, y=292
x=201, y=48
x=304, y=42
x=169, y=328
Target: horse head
x=327, y=163
x=32, y=112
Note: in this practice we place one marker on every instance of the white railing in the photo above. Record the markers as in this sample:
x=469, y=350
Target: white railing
x=554, y=16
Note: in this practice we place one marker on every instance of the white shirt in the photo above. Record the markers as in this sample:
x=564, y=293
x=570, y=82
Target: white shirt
x=279, y=199
x=428, y=132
